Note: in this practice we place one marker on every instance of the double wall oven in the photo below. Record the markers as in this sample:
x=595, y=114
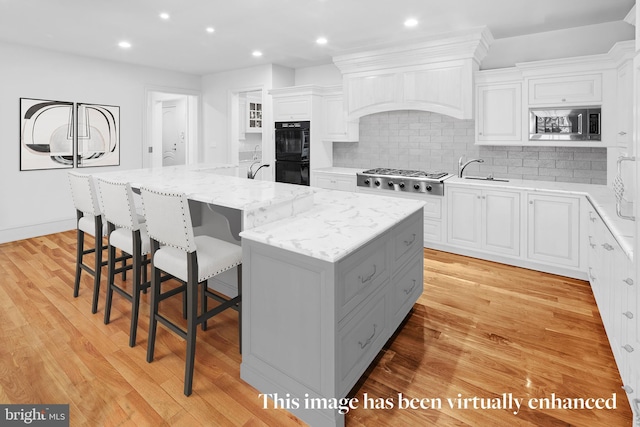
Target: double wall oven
x=292, y=152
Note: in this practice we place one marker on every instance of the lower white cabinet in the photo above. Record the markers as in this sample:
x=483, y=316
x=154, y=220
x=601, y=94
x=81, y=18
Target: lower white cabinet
x=553, y=227
x=488, y=220
x=611, y=275
x=333, y=181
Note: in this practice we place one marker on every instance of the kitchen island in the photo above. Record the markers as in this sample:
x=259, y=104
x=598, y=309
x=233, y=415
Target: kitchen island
x=328, y=277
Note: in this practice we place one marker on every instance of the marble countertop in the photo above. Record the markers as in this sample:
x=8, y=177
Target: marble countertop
x=600, y=196
x=260, y=201
x=338, y=223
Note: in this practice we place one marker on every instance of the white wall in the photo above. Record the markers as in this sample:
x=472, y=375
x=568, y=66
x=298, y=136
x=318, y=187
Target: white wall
x=321, y=75
x=217, y=89
x=34, y=203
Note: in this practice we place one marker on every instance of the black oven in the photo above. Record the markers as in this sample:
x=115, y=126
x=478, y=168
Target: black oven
x=292, y=172
x=292, y=152
x=292, y=141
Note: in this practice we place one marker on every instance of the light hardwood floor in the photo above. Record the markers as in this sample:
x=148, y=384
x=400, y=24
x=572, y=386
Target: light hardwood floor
x=479, y=330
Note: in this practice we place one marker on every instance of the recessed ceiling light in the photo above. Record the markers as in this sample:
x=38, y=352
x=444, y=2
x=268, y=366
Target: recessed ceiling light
x=411, y=22
x=321, y=40
x=164, y=15
x=256, y=53
x=124, y=44
x=210, y=29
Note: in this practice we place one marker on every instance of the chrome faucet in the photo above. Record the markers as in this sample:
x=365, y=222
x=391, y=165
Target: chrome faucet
x=250, y=173
x=462, y=166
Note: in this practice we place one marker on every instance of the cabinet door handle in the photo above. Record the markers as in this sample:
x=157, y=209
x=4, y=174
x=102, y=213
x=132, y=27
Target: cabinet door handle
x=593, y=245
x=628, y=281
x=592, y=218
x=628, y=315
x=628, y=348
x=369, y=277
x=564, y=99
x=410, y=242
x=607, y=246
x=368, y=341
x=531, y=202
x=408, y=291
x=622, y=133
x=627, y=388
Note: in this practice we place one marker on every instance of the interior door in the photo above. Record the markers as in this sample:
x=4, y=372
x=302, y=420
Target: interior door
x=173, y=132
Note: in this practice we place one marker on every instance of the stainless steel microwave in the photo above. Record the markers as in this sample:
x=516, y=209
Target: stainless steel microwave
x=566, y=124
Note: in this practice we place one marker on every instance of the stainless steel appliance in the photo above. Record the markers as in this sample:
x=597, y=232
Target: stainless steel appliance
x=410, y=181
x=566, y=124
x=292, y=141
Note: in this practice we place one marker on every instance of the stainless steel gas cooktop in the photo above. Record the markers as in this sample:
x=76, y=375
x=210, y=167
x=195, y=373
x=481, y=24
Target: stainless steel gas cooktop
x=413, y=181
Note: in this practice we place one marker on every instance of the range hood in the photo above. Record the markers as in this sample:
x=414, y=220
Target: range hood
x=433, y=75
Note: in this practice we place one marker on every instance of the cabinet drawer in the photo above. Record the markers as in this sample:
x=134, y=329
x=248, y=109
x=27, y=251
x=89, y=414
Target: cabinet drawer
x=360, y=340
x=361, y=275
x=433, y=207
x=407, y=240
x=406, y=285
x=565, y=89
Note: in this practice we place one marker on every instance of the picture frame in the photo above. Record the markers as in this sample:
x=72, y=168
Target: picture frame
x=97, y=135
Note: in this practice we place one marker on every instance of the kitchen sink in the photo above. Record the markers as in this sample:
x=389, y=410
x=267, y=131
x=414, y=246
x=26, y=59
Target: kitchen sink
x=486, y=178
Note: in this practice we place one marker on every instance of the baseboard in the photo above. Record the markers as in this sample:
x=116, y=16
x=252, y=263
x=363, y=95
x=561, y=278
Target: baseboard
x=35, y=230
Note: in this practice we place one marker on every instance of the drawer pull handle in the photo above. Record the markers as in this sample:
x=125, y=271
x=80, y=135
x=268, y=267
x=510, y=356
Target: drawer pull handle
x=410, y=242
x=622, y=133
x=368, y=341
x=369, y=277
x=628, y=315
x=607, y=246
x=408, y=291
x=592, y=218
x=627, y=388
x=628, y=281
x=593, y=245
x=628, y=348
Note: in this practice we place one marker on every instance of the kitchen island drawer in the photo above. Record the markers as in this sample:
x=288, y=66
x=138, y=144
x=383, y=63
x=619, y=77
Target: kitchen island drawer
x=407, y=240
x=406, y=286
x=361, y=274
x=360, y=340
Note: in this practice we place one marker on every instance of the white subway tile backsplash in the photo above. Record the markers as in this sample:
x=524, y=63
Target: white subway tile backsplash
x=430, y=141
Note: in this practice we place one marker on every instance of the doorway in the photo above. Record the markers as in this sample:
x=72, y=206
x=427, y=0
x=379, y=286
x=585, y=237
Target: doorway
x=172, y=128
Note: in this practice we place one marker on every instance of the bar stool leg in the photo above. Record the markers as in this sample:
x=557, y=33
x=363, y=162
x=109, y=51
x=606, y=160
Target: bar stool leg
x=137, y=288
x=239, y=272
x=153, y=304
x=98, y=264
x=192, y=320
x=79, y=256
x=111, y=265
x=203, y=303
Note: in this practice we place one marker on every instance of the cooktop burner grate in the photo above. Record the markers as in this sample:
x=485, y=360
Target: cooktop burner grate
x=405, y=172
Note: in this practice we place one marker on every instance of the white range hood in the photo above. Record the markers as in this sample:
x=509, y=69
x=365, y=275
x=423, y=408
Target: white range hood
x=433, y=75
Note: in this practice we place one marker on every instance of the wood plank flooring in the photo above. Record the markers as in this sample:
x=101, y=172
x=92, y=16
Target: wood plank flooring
x=480, y=329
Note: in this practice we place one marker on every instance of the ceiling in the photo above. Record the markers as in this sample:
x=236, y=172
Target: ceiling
x=284, y=30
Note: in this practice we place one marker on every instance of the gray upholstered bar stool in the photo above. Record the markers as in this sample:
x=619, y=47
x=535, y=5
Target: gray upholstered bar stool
x=89, y=220
x=129, y=235
x=192, y=260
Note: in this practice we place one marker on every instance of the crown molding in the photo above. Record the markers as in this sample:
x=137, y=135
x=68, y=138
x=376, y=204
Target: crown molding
x=631, y=16
x=461, y=45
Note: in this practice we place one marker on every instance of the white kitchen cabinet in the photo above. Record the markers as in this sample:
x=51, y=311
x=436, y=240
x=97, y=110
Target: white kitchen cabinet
x=624, y=108
x=333, y=181
x=565, y=89
x=336, y=127
x=488, y=220
x=499, y=113
x=288, y=108
x=552, y=230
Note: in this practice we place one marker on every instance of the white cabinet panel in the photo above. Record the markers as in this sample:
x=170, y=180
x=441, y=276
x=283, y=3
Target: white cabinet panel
x=291, y=108
x=553, y=227
x=565, y=89
x=336, y=127
x=624, y=108
x=499, y=113
x=370, y=92
x=484, y=219
x=333, y=181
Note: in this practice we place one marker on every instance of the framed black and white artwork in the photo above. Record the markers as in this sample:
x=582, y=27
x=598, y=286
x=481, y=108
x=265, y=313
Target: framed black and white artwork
x=98, y=135
x=46, y=134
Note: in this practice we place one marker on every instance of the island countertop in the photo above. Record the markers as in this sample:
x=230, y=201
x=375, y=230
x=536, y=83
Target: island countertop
x=338, y=224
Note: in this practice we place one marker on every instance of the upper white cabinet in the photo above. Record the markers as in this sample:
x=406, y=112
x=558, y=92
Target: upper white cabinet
x=436, y=76
x=292, y=107
x=624, y=107
x=488, y=220
x=336, y=127
x=553, y=227
x=499, y=112
x=570, y=89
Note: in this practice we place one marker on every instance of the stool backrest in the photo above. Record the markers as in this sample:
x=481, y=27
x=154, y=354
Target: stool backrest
x=84, y=193
x=117, y=204
x=168, y=218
